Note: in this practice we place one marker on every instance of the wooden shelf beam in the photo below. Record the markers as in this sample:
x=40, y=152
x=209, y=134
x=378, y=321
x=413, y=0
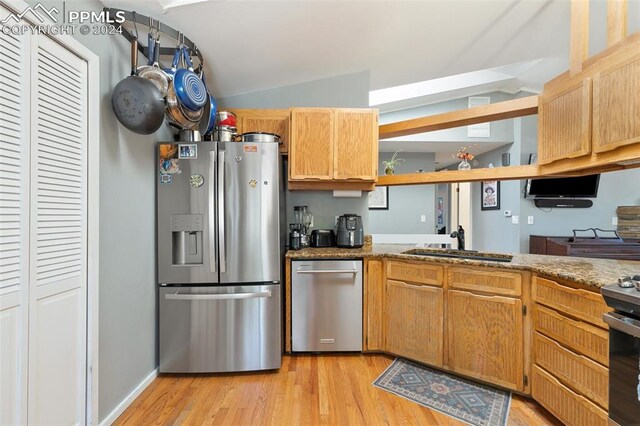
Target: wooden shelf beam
x=450, y=176
x=481, y=114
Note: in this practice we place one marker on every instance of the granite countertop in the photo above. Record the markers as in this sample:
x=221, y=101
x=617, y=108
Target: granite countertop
x=587, y=271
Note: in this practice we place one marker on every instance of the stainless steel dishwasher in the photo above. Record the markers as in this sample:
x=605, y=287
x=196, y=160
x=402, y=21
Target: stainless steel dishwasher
x=326, y=305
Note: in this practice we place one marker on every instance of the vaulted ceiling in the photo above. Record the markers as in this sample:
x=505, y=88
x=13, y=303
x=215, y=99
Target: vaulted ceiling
x=256, y=45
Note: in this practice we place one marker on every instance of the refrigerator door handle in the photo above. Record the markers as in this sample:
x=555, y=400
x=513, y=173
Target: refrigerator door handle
x=228, y=296
x=221, y=211
x=212, y=221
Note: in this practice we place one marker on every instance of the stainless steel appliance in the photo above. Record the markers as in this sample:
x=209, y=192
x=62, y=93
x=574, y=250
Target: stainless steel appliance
x=624, y=350
x=350, y=232
x=326, y=305
x=219, y=256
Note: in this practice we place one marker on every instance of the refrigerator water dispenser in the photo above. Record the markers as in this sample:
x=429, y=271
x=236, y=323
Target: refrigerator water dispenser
x=186, y=239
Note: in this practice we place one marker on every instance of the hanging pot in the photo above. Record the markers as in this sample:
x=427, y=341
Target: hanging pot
x=189, y=89
x=208, y=121
x=137, y=102
x=154, y=73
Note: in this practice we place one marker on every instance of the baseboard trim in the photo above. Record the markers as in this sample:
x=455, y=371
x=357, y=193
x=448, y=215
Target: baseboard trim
x=124, y=404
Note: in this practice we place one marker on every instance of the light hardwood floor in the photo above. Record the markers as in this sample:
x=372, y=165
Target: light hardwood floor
x=307, y=390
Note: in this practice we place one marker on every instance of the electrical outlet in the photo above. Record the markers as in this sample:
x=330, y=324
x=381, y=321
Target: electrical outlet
x=423, y=218
x=614, y=221
x=530, y=220
x=515, y=220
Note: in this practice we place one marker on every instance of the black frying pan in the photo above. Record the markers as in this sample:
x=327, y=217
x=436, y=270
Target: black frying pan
x=137, y=102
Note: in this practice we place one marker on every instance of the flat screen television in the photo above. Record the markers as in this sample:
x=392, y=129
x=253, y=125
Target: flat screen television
x=571, y=187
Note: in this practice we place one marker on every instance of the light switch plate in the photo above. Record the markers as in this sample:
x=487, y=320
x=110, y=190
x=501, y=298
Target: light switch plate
x=515, y=220
x=423, y=218
x=614, y=221
x=530, y=220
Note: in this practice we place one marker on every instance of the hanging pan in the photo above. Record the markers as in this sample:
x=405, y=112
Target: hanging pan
x=137, y=102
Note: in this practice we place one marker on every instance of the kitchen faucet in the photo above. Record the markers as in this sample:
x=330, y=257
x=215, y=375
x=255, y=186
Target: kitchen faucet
x=459, y=234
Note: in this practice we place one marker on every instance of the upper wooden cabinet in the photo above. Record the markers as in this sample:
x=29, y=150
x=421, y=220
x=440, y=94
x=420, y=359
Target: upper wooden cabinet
x=311, y=146
x=616, y=107
x=333, y=148
x=564, y=121
x=589, y=121
x=265, y=120
x=355, y=154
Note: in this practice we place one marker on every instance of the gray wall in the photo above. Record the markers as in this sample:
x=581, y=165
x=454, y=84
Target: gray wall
x=407, y=203
x=127, y=308
x=491, y=230
x=615, y=189
x=346, y=91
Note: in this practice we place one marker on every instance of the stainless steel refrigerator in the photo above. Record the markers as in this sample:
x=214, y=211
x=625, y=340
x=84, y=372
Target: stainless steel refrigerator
x=219, y=268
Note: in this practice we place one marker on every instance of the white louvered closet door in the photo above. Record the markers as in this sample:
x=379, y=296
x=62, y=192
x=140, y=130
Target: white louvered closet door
x=14, y=225
x=58, y=264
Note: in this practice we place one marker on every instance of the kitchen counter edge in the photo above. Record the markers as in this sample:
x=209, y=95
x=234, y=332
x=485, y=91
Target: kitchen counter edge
x=590, y=272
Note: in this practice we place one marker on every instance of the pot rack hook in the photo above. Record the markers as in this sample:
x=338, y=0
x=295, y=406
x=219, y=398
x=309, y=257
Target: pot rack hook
x=135, y=27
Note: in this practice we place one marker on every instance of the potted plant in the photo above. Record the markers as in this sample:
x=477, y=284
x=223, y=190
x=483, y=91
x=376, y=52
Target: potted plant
x=390, y=166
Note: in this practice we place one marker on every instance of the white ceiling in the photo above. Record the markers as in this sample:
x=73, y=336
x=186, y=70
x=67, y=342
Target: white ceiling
x=256, y=45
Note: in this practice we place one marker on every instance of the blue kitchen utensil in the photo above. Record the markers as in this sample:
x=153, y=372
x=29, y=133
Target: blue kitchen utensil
x=171, y=72
x=208, y=121
x=189, y=89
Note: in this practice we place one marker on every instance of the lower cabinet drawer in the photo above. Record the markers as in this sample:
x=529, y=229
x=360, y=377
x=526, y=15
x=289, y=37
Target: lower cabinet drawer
x=566, y=405
x=577, y=335
x=422, y=273
x=579, y=372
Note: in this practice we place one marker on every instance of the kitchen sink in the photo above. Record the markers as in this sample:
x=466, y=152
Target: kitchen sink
x=461, y=254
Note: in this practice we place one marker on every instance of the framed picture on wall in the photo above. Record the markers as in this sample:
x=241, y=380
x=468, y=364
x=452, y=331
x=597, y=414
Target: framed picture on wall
x=490, y=195
x=379, y=198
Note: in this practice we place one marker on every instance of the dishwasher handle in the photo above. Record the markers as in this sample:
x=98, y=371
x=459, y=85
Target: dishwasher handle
x=222, y=296
x=326, y=271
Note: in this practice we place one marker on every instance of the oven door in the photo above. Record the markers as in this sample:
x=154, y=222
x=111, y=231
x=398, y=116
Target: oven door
x=624, y=369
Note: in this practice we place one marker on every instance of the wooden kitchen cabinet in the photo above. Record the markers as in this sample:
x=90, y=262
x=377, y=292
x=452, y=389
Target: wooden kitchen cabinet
x=486, y=337
x=355, y=154
x=570, y=352
x=311, y=145
x=374, y=306
x=265, y=120
x=414, y=321
x=616, y=107
x=564, y=123
x=590, y=120
x=333, y=148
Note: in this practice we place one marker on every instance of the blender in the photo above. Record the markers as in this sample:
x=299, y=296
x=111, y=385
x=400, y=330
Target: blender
x=302, y=223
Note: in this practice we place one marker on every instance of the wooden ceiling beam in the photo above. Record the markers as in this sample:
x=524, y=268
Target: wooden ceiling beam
x=579, y=38
x=481, y=114
x=616, y=21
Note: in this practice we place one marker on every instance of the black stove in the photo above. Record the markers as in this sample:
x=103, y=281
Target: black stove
x=624, y=350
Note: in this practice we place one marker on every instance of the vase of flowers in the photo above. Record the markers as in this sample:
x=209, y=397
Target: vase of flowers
x=464, y=156
x=390, y=166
